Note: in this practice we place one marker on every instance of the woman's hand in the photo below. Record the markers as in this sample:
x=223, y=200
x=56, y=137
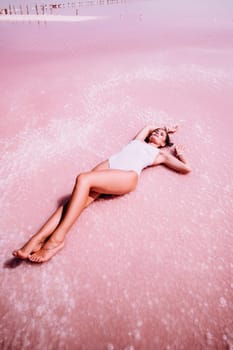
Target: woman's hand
x=179, y=150
x=177, y=162
x=172, y=129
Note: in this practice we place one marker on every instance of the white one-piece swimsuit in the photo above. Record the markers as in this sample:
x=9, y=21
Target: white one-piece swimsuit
x=136, y=156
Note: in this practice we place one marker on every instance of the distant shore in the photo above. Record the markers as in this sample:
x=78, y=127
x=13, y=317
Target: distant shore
x=49, y=18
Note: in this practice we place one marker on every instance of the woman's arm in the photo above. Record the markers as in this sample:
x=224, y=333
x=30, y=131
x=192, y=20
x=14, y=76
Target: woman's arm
x=147, y=130
x=142, y=135
x=177, y=163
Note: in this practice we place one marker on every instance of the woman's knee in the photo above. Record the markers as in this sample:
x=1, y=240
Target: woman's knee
x=133, y=187
x=82, y=179
x=134, y=181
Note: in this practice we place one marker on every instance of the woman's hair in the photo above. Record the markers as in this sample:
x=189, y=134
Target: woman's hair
x=167, y=140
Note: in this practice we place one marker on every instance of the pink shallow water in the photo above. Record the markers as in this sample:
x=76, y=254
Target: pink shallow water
x=152, y=269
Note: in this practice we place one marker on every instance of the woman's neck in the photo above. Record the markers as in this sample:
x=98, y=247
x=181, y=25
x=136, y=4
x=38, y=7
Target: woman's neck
x=153, y=144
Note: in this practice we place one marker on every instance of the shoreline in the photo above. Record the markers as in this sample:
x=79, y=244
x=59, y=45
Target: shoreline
x=48, y=18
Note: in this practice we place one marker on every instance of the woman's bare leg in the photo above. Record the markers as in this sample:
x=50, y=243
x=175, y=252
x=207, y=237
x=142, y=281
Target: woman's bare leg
x=105, y=181
x=36, y=241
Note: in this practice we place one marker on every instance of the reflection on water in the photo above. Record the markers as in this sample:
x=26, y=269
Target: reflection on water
x=55, y=8
x=66, y=11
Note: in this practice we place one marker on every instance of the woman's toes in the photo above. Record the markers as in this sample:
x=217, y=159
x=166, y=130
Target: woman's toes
x=46, y=253
x=34, y=258
x=19, y=254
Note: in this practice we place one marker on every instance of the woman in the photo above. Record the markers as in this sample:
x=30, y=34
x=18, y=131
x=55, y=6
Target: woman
x=117, y=175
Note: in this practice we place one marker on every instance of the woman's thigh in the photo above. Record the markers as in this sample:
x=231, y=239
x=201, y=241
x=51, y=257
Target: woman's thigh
x=112, y=181
x=101, y=166
x=94, y=195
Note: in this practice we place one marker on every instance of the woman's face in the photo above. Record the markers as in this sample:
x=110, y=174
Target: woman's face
x=158, y=137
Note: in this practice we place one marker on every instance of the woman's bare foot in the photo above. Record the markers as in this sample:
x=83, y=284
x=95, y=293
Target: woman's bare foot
x=49, y=249
x=32, y=246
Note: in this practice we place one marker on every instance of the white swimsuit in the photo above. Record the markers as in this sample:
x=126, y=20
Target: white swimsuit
x=136, y=156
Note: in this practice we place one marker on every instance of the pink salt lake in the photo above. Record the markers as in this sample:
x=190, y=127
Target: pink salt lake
x=152, y=269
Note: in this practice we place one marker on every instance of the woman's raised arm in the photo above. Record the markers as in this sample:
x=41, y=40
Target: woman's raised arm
x=147, y=130
x=142, y=135
x=178, y=162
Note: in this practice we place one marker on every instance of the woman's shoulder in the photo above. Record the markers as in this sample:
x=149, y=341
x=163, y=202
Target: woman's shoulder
x=160, y=157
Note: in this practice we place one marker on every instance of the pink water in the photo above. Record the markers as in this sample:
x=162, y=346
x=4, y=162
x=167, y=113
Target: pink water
x=150, y=270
